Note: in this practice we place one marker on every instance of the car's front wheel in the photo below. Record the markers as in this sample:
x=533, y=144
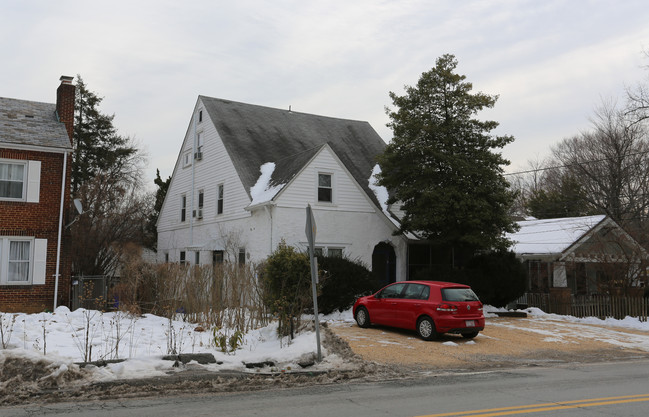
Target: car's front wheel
x=362, y=317
x=426, y=328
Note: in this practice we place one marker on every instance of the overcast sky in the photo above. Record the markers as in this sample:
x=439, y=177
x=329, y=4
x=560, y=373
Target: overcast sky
x=551, y=62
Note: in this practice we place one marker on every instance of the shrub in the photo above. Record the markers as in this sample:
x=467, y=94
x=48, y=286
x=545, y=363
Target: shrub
x=287, y=281
x=342, y=281
x=496, y=277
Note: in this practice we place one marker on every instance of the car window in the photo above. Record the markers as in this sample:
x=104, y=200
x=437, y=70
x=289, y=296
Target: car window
x=458, y=294
x=393, y=291
x=416, y=292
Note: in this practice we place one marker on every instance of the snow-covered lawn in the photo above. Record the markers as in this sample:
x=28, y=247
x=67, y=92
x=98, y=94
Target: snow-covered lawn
x=65, y=337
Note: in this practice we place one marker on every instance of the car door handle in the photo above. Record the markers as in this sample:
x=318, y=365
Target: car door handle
x=417, y=304
x=394, y=304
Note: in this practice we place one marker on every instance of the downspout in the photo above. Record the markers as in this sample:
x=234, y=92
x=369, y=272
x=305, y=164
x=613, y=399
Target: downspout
x=58, y=244
x=191, y=206
x=269, y=210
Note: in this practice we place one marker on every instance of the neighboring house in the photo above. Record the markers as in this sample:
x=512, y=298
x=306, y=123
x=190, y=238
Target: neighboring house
x=587, y=254
x=35, y=143
x=245, y=175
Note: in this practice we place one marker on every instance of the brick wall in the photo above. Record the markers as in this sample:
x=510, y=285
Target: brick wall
x=40, y=220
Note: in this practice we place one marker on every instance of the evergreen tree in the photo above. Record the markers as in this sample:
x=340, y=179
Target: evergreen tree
x=442, y=164
x=565, y=199
x=106, y=177
x=97, y=146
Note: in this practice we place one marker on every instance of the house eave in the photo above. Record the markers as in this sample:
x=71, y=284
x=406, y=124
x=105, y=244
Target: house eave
x=36, y=148
x=254, y=207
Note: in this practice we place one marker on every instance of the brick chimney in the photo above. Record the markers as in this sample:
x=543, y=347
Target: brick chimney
x=65, y=104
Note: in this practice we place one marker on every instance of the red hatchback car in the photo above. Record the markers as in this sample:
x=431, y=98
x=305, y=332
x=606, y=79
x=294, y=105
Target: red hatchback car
x=429, y=307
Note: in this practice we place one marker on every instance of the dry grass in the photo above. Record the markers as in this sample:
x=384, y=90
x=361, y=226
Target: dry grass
x=226, y=295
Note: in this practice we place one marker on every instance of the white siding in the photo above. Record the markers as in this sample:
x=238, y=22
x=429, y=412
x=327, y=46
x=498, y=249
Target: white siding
x=213, y=169
x=347, y=195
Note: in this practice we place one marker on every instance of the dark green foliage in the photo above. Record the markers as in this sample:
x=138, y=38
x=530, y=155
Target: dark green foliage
x=443, y=164
x=287, y=282
x=498, y=278
x=566, y=199
x=98, y=149
x=342, y=280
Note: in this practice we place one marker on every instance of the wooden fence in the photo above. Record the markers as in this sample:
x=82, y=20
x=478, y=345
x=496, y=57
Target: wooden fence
x=601, y=306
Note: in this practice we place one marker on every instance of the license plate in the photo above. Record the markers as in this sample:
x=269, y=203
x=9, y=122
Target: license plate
x=470, y=323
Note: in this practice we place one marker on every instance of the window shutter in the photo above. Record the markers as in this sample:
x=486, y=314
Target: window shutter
x=40, y=258
x=33, y=181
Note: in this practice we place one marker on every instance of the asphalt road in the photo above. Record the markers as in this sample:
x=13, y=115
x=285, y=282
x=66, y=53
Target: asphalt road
x=603, y=389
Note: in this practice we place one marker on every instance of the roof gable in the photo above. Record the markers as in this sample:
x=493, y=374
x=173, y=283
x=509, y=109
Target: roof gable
x=30, y=123
x=552, y=236
x=254, y=135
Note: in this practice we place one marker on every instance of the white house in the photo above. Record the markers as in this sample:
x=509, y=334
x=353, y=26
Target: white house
x=245, y=175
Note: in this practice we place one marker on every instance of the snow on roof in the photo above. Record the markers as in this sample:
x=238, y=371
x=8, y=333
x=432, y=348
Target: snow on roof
x=549, y=236
x=262, y=191
x=379, y=191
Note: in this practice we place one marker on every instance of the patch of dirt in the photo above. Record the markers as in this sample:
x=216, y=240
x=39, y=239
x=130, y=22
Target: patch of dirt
x=505, y=342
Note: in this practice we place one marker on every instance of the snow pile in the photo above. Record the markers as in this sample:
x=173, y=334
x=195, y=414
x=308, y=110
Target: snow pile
x=59, y=339
x=262, y=191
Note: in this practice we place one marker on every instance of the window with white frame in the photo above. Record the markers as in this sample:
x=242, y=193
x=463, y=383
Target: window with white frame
x=201, y=199
x=183, y=207
x=219, y=199
x=12, y=180
x=187, y=159
x=320, y=251
x=22, y=260
x=242, y=256
x=325, y=188
x=20, y=180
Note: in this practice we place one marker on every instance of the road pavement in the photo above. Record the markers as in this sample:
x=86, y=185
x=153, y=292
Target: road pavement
x=577, y=390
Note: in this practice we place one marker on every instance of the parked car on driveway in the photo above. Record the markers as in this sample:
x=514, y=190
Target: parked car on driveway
x=428, y=307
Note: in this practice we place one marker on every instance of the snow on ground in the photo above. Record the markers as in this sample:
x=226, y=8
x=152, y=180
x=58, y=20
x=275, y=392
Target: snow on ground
x=64, y=337
x=565, y=329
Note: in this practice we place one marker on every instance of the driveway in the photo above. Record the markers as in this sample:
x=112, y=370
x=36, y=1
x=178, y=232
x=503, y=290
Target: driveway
x=505, y=342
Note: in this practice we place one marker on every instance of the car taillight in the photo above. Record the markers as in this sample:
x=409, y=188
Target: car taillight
x=447, y=307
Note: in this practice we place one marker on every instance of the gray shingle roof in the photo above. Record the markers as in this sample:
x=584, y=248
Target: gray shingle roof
x=254, y=135
x=32, y=123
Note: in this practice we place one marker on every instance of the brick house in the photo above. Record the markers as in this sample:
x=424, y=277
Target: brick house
x=35, y=161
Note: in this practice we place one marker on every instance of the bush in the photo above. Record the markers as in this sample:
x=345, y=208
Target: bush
x=342, y=281
x=498, y=278
x=287, y=281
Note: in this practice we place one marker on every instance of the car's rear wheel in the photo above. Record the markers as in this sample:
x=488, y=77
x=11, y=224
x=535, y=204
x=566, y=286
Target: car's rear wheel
x=362, y=317
x=426, y=328
x=469, y=335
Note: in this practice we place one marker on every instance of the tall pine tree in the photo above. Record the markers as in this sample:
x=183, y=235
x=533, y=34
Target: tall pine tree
x=97, y=146
x=106, y=178
x=443, y=164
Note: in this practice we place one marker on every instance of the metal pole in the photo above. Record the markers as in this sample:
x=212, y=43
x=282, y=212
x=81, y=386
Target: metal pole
x=310, y=232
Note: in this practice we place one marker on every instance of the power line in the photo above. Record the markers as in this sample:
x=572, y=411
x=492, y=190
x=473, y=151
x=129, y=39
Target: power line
x=573, y=164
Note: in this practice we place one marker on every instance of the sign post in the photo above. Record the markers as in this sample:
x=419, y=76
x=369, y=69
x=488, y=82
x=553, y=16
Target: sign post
x=310, y=235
